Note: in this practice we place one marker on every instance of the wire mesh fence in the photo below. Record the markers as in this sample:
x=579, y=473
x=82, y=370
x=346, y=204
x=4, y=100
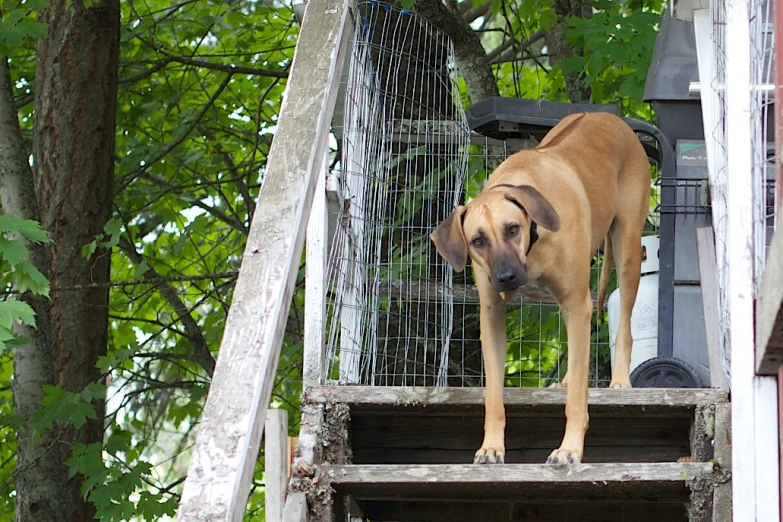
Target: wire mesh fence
x=396, y=313
x=403, y=162
x=718, y=172
x=762, y=49
x=762, y=75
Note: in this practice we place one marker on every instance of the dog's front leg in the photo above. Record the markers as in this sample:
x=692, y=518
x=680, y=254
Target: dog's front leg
x=493, y=348
x=577, y=309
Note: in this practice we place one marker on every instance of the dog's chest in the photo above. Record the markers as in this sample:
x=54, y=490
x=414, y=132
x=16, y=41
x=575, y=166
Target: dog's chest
x=534, y=290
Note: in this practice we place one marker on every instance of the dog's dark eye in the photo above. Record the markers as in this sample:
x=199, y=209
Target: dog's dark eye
x=478, y=242
x=513, y=230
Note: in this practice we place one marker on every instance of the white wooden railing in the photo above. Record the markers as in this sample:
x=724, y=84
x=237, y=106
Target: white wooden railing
x=220, y=472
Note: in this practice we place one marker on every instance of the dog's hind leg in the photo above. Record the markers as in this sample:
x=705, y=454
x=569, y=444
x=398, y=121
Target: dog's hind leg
x=626, y=233
x=628, y=252
x=493, y=348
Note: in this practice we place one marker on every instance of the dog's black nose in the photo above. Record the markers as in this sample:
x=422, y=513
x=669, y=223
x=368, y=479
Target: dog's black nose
x=510, y=278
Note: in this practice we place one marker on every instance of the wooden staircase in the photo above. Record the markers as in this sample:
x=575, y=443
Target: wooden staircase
x=404, y=455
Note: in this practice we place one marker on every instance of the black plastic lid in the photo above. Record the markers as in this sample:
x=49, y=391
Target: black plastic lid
x=504, y=118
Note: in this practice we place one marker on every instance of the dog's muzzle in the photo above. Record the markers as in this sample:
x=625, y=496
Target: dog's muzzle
x=509, y=277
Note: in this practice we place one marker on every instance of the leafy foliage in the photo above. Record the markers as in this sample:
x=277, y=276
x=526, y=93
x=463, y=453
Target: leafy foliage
x=201, y=83
x=18, y=273
x=18, y=23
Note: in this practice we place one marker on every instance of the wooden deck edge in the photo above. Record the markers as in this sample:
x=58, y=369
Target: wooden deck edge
x=667, y=472
x=394, y=396
x=769, y=312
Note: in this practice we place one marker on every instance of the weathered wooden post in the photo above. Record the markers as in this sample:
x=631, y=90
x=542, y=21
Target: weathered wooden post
x=218, y=480
x=276, y=460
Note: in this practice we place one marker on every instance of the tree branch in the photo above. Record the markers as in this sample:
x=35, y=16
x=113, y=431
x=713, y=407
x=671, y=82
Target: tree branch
x=204, y=64
x=174, y=144
x=472, y=14
x=201, y=352
x=513, y=47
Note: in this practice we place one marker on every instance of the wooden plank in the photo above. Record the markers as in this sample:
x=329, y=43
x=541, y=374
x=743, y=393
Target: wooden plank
x=472, y=511
x=769, y=311
x=721, y=500
x=307, y=446
x=315, y=290
x=767, y=445
x=778, y=27
x=218, y=480
x=295, y=508
x=705, y=249
x=461, y=476
x=522, y=398
x=292, y=442
x=755, y=475
x=275, y=463
x=740, y=261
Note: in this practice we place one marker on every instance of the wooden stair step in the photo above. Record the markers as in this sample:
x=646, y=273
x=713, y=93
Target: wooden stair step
x=520, y=492
x=457, y=480
x=649, y=401
x=400, y=425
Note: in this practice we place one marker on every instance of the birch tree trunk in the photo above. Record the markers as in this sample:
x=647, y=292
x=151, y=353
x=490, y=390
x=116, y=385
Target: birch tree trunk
x=40, y=477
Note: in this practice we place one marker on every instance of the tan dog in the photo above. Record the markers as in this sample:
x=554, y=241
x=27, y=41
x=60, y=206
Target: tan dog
x=535, y=227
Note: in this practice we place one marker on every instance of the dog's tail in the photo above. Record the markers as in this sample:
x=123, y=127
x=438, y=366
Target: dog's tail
x=606, y=272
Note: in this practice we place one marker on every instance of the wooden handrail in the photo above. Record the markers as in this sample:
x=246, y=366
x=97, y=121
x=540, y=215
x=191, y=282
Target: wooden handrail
x=219, y=477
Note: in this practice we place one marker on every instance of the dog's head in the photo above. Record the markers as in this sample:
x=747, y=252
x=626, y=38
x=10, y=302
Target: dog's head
x=494, y=230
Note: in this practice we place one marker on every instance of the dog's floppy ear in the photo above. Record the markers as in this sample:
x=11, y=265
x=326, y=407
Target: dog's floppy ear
x=535, y=205
x=450, y=241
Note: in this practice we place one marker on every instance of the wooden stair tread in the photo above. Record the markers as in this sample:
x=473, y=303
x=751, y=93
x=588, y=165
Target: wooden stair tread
x=470, y=474
x=659, y=483
x=414, y=399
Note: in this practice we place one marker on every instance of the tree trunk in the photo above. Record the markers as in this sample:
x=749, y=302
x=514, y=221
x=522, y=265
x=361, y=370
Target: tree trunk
x=73, y=147
x=40, y=478
x=469, y=53
x=578, y=90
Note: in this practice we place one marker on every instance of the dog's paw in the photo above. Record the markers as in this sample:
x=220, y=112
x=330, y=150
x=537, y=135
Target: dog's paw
x=561, y=384
x=624, y=383
x=489, y=456
x=564, y=457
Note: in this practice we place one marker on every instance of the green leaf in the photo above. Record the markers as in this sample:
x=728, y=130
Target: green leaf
x=94, y=391
x=13, y=251
x=141, y=269
x=113, y=229
x=13, y=311
x=89, y=249
x=118, y=441
x=78, y=413
x=29, y=278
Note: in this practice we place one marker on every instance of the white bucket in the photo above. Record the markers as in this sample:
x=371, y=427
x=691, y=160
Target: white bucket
x=644, y=318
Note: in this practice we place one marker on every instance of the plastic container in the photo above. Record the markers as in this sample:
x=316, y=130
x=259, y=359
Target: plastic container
x=644, y=318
